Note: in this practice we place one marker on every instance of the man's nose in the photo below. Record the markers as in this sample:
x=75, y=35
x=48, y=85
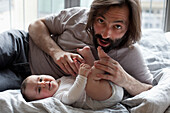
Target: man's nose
x=106, y=33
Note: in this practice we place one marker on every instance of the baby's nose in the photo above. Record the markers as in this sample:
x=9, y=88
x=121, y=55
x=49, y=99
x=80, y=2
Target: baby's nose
x=43, y=83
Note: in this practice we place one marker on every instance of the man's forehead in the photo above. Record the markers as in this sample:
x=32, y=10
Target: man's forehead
x=115, y=14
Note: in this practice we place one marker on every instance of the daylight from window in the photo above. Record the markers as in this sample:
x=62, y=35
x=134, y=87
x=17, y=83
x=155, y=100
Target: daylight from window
x=17, y=14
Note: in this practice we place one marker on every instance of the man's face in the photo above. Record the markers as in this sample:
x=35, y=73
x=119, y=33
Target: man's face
x=110, y=27
x=39, y=87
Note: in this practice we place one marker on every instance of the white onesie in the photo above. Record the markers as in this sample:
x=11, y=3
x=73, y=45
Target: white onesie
x=72, y=92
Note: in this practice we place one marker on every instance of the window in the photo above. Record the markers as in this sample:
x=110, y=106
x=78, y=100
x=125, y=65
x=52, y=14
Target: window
x=18, y=14
x=46, y=7
x=85, y=3
x=4, y=15
x=153, y=12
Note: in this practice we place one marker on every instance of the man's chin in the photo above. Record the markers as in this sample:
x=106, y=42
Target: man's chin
x=106, y=49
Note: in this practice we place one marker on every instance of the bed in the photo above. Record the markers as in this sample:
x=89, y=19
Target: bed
x=156, y=51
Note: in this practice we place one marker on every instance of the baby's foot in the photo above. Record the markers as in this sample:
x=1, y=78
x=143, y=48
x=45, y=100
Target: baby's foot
x=87, y=54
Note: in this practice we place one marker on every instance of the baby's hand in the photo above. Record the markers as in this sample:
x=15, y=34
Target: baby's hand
x=84, y=69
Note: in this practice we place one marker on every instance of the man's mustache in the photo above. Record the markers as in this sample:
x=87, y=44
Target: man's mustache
x=106, y=49
x=100, y=37
x=113, y=43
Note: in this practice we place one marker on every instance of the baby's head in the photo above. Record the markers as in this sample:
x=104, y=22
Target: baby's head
x=37, y=87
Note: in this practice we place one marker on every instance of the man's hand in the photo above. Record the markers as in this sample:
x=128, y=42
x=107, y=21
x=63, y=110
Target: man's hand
x=65, y=61
x=116, y=73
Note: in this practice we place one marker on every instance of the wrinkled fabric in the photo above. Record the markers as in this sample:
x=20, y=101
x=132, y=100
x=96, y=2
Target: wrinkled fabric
x=14, y=66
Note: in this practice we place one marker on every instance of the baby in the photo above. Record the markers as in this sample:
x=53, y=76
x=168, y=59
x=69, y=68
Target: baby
x=84, y=91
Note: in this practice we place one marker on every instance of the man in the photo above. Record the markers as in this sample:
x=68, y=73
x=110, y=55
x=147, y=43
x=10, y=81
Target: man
x=112, y=24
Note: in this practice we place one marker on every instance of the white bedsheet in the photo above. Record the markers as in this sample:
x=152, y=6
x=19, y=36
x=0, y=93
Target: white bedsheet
x=156, y=51
x=11, y=101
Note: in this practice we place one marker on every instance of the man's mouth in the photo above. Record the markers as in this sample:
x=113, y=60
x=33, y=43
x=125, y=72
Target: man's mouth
x=103, y=42
x=106, y=44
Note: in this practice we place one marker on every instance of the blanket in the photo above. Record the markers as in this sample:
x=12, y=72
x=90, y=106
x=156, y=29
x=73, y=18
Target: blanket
x=156, y=51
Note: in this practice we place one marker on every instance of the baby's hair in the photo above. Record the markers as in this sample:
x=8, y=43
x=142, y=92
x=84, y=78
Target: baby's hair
x=23, y=87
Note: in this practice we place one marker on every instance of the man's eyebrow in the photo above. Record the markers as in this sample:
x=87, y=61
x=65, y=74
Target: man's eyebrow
x=101, y=16
x=119, y=21
x=116, y=21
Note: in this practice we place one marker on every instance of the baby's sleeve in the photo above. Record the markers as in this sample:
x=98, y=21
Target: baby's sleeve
x=74, y=93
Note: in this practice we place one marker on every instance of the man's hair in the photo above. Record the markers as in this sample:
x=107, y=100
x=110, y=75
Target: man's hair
x=133, y=33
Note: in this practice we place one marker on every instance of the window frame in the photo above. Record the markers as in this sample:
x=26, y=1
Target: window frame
x=167, y=17
x=71, y=3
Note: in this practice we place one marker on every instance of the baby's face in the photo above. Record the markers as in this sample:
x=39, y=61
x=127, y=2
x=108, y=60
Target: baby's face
x=40, y=86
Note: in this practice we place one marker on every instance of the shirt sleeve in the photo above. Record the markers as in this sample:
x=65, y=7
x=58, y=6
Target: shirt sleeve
x=74, y=93
x=56, y=23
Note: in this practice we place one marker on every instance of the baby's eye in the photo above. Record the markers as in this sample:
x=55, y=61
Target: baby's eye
x=118, y=26
x=39, y=89
x=41, y=79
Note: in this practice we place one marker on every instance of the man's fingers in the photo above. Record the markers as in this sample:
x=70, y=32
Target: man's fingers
x=62, y=66
x=65, y=66
x=69, y=69
x=72, y=65
x=101, y=53
x=104, y=76
x=79, y=58
x=77, y=63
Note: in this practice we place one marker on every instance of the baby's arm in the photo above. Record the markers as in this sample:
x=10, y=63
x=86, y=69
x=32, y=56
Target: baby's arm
x=78, y=87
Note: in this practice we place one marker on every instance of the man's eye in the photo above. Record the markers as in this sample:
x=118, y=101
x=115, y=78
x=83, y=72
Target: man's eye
x=100, y=20
x=118, y=27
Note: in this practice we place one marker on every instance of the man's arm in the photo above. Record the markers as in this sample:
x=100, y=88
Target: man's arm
x=41, y=36
x=135, y=87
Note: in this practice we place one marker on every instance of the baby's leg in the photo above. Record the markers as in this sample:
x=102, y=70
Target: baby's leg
x=87, y=54
x=96, y=89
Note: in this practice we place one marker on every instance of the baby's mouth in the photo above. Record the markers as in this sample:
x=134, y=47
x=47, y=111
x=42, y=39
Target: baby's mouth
x=50, y=85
